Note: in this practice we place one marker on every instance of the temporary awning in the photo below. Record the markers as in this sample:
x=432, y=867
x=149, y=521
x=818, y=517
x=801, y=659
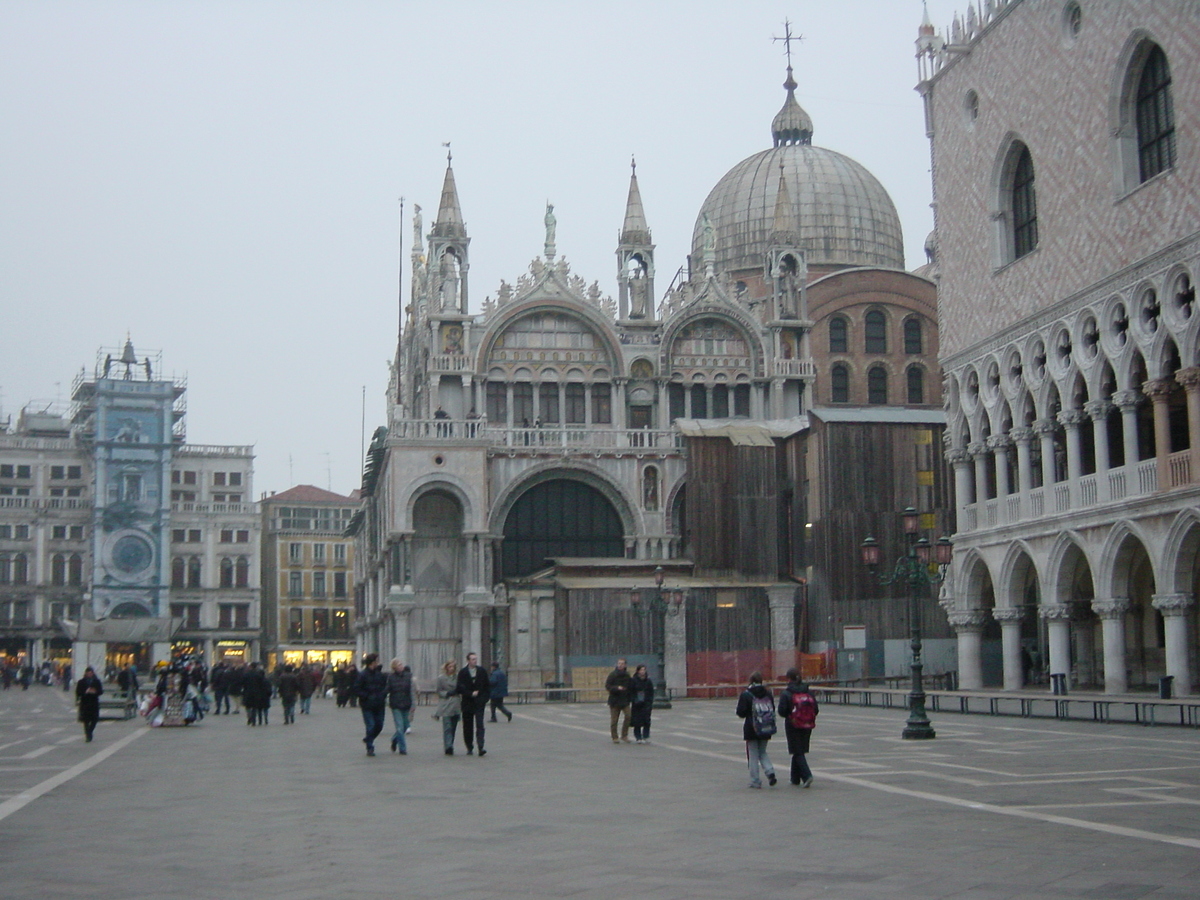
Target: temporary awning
x=123, y=631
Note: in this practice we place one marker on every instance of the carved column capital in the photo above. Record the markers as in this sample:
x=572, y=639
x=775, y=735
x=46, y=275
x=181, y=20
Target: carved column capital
x=1158, y=391
x=1056, y=612
x=1045, y=426
x=1021, y=435
x=977, y=448
x=1112, y=608
x=1128, y=399
x=1008, y=614
x=1071, y=418
x=1189, y=378
x=968, y=620
x=1098, y=409
x=999, y=442
x=1173, y=604
x=958, y=456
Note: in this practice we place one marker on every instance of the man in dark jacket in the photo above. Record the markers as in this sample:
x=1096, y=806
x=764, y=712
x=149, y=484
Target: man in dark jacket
x=400, y=701
x=220, y=685
x=289, y=690
x=498, y=686
x=620, y=695
x=370, y=687
x=474, y=689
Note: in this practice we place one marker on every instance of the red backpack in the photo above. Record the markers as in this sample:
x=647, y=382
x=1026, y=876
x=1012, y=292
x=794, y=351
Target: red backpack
x=804, y=712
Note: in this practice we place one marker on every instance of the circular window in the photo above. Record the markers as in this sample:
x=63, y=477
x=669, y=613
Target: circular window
x=439, y=460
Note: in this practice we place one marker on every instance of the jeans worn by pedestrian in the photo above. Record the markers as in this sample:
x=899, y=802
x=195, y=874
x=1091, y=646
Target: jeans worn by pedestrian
x=756, y=757
x=373, y=721
x=400, y=719
x=449, y=728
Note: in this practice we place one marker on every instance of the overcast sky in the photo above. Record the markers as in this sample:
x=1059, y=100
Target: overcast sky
x=221, y=180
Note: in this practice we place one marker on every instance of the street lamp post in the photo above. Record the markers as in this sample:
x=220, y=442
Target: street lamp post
x=663, y=607
x=914, y=570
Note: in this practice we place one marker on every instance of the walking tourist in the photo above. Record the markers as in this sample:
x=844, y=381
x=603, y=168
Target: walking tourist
x=400, y=701
x=237, y=680
x=473, y=688
x=498, y=690
x=449, y=708
x=289, y=690
x=619, y=684
x=370, y=689
x=641, y=695
x=798, y=708
x=219, y=681
x=87, y=692
x=256, y=695
x=757, y=706
x=307, y=680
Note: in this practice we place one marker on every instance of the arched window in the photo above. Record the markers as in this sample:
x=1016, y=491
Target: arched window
x=226, y=572
x=916, y=385
x=194, y=572
x=1023, y=205
x=5, y=569
x=243, y=572
x=839, y=384
x=20, y=569
x=875, y=332
x=75, y=569
x=1155, y=116
x=912, y=336
x=877, y=385
x=838, y=339
x=178, y=573
x=650, y=488
x=58, y=569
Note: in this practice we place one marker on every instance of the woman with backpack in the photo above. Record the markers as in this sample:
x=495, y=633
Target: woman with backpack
x=798, y=709
x=757, y=707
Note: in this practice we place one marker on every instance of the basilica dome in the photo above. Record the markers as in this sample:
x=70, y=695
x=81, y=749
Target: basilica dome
x=843, y=215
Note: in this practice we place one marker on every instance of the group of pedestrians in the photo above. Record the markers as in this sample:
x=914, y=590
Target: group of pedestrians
x=797, y=707
x=463, y=695
x=630, y=701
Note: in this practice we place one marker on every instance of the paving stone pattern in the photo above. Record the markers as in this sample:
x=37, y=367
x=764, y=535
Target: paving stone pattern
x=993, y=808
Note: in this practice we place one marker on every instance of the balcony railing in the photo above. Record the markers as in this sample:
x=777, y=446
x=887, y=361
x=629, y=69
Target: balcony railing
x=189, y=506
x=803, y=368
x=547, y=437
x=1137, y=480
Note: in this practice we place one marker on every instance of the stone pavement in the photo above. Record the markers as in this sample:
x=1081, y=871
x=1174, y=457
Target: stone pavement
x=993, y=808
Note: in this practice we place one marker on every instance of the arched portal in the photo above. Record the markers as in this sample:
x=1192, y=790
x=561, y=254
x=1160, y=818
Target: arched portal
x=559, y=517
x=437, y=544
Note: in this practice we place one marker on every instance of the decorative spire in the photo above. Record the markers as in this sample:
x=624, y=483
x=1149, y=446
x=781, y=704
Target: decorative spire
x=792, y=124
x=449, y=218
x=784, y=231
x=634, y=230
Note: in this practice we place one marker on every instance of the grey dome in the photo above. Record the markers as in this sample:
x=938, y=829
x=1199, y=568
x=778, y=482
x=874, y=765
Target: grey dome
x=843, y=214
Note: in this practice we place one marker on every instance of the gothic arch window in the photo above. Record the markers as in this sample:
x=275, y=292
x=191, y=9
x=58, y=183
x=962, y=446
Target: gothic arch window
x=1023, y=203
x=58, y=569
x=242, y=572
x=877, y=385
x=1155, y=116
x=912, y=336
x=839, y=384
x=839, y=341
x=915, y=379
x=75, y=569
x=875, y=332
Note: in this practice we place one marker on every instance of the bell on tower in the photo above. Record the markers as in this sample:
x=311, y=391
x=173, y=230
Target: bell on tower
x=635, y=258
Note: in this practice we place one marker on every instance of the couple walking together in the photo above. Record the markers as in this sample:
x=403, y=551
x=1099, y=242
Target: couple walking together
x=630, y=697
x=798, y=709
x=465, y=697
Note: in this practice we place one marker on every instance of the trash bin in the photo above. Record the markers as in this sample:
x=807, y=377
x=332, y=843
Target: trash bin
x=1164, y=687
x=554, y=691
x=1058, y=683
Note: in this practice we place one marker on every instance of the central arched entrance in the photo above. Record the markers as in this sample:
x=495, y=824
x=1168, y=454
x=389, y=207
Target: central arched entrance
x=559, y=517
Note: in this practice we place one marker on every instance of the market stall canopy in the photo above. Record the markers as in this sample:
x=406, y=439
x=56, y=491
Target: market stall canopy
x=123, y=631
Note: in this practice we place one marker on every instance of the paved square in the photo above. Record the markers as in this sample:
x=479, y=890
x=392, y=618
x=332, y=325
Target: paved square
x=993, y=808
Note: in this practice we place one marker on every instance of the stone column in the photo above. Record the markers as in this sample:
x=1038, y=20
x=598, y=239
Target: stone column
x=1159, y=393
x=1071, y=419
x=782, y=601
x=525, y=632
x=979, y=453
x=964, y=482
x=1098, y=411
x=1127, y=402
x=1058, y=623
x=1022, y=437
x=619, y=401
x=1112, y=621
x=1045, y=429
x=472, y=628
x=1175, y=609
x=675, y=650
x=1083, y=630
x=1010, y=640
x=999, y=444
x=1190, y=379
x=968, y=625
